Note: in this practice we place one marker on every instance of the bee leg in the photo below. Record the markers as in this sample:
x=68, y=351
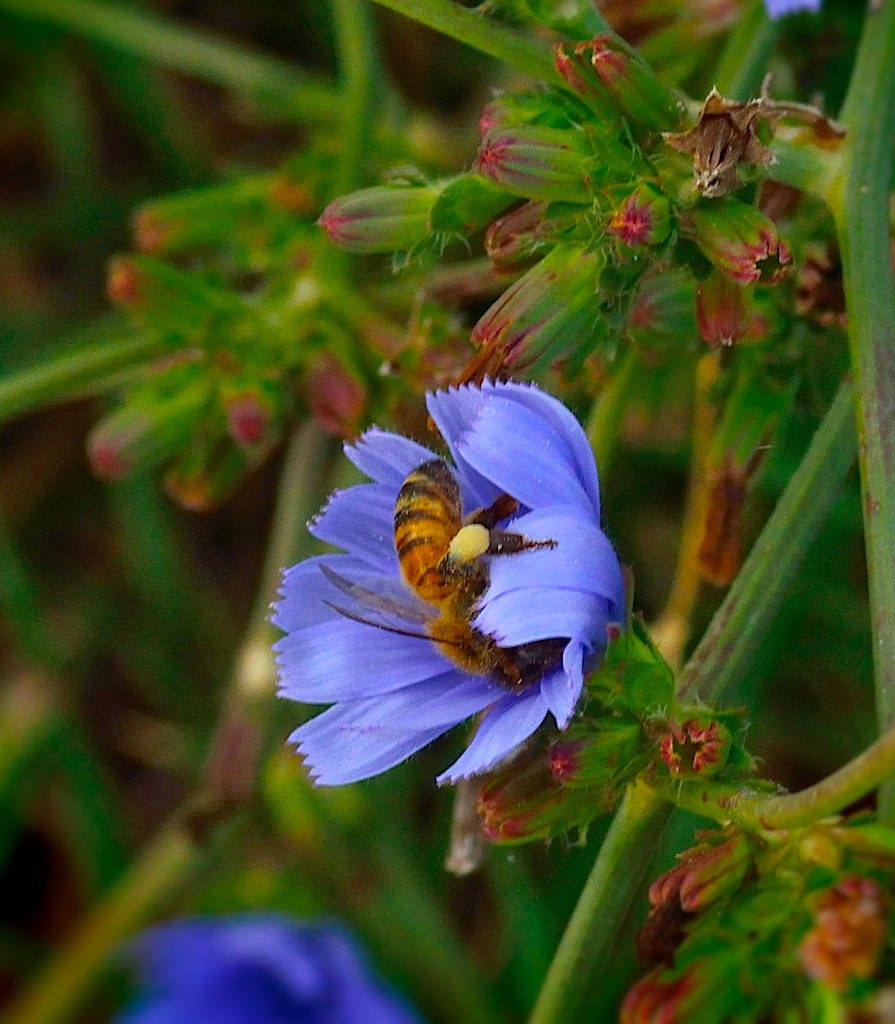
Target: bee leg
x=501, y=508
x=504, y=542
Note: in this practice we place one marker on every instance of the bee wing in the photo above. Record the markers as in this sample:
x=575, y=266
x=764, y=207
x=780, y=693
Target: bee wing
x=410, y=611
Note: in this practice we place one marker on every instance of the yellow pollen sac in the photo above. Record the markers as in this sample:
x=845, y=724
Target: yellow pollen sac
x=469, y=543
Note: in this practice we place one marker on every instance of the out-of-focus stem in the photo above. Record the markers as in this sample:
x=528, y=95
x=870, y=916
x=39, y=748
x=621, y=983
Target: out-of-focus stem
x=738, y=628
x=289, y=91
x=860, y=203
x=482, y=34
x=744, y=59
x=181, y=854
x=70, y=375
x=672, y=630
x=360, y=74
x=157, y=877
x=605, y=417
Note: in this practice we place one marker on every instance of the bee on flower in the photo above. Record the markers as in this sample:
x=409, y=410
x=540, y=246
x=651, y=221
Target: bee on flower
x=486, y=586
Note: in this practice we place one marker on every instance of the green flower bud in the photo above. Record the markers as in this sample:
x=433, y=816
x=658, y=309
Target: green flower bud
x=643, y=218
x=723, y=310
x=538, y=163
x=251, y=409
x=705, y=875
x=739, y=240
x=640, y=95
x=524, y=802
x=516, y=240
x=575, y=64
x=604, y=758
x=154, y=423
x=554, y=304
x=385, y=218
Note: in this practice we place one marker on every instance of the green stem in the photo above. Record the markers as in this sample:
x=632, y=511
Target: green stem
x=744, y=59
x=605, y=416
x=481, y=34
x=860, y=204
x=69, y=375
x=295, y=94
x=794, y=810
x=604, y=900
x=360, y=74
x=153, y=880
x=741, y=623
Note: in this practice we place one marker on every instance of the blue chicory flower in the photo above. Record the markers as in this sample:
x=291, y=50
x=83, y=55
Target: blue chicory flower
x=393, y=693
x=258, y=969
x=778, y=8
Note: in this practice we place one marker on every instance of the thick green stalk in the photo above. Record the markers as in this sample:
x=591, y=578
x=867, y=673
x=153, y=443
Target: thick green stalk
x=482, y=34
x=288, y=91
x=739, y=626
x=860, y=204
x=71, y=374
x=604, y=901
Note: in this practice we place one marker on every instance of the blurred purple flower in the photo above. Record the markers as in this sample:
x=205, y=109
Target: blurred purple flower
x=777, y=8
x=393, y=694
x=257, y=970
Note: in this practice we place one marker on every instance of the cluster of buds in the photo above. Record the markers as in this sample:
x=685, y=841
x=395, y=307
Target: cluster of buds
x=798, y=919
x=595, y=176
x=248, y=333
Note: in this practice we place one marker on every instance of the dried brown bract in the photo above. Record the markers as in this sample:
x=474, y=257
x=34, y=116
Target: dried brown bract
x=726, y=135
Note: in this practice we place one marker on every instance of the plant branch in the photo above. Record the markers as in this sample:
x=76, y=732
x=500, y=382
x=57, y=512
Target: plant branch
x=860, y=204
x=604, y=901
x=293, y=93
x=739, y=626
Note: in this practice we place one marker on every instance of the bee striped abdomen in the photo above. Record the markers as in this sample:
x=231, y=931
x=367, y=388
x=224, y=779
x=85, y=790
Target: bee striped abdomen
x=428, y=514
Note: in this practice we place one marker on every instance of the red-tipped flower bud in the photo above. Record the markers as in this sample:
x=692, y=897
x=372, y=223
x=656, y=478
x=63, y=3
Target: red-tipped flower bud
x=739, y=240
x=554, y=303
x=603, y=759
x=151, y=426
x=524, y=802
x=641, y=96
x=538, y=163
x=386, y=218
x=705, y=875
x=643, y=218
x=337, y=398
x=849, y=933
x=698, y=746
x=723, y=310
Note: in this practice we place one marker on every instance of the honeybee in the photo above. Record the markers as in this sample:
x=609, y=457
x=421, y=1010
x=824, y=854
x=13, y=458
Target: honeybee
x=444, y=560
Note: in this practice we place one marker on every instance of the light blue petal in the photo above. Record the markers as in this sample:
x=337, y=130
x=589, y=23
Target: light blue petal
x=361, y=520
x=524, y=456
x=340, y=746
x=344, y=660
x=777, y=8
x=564, y=423
x=505, y=726
x=454, y=412
x=387, y=458
x=436, y=703
x=535, y=613
x=562, y=689
x=583, y=558
x=305, y=589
